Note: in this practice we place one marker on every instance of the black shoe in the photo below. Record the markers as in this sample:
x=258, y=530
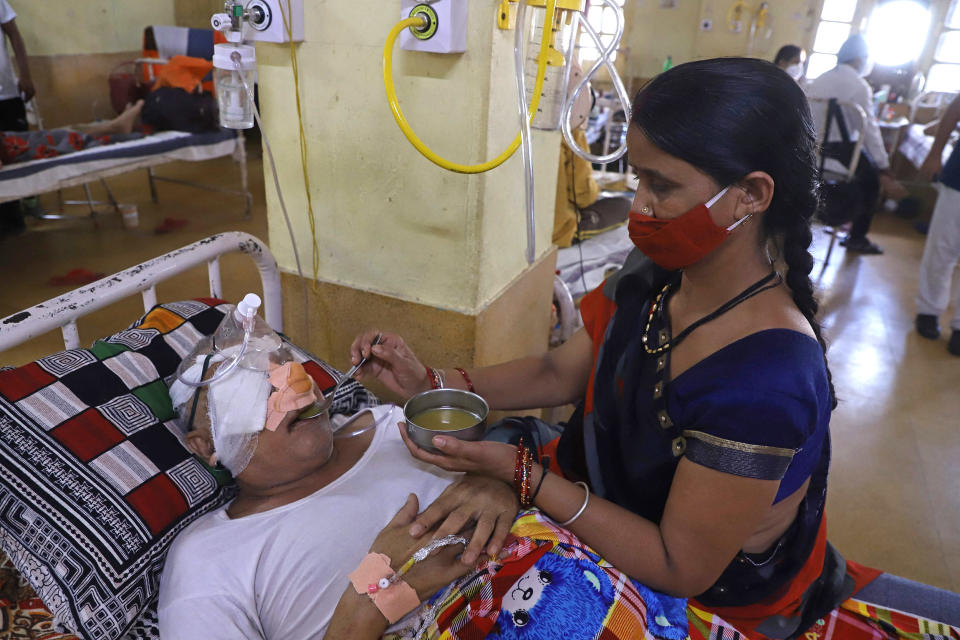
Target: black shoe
x=861, y=245
x=928, y=326
x=954, y=345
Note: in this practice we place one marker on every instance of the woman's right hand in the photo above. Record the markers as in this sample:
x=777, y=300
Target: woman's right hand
x=391, y=362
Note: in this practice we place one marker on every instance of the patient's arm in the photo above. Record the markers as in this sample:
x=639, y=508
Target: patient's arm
x=552, y=379
x=356, y=617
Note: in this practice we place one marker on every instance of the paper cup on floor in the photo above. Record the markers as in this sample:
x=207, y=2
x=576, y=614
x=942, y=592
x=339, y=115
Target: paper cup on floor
x=130, y=216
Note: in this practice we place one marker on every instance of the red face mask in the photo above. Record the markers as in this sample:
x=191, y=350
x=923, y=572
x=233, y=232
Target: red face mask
x=679, y=242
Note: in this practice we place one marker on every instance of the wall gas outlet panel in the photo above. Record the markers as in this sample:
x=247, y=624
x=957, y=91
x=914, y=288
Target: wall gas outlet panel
x=266, y=21
x=447, y=31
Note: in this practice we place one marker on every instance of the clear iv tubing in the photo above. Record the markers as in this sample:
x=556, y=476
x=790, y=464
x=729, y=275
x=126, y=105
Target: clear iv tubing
x=340, y=433
x=407, y=130
x=224, y=371
x=526, y=152
x=235, y=57
x=604, y=59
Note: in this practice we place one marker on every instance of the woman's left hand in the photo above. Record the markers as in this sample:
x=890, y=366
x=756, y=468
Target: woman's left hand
x=494, y=459
x=486, y=504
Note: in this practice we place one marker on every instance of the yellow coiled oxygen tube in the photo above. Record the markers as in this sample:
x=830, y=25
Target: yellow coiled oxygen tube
x=418, y=22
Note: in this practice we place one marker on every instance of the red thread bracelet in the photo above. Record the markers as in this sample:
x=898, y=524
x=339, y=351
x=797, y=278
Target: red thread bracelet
x=466, y=379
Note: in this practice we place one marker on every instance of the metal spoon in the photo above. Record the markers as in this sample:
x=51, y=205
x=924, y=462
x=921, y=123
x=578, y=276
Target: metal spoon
x=317, y=408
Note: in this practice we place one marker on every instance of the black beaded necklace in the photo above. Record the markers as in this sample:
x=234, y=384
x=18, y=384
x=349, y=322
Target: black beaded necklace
x=757, y=287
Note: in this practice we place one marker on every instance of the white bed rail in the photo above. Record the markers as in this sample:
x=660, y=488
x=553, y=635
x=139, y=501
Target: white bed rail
x=62, y=311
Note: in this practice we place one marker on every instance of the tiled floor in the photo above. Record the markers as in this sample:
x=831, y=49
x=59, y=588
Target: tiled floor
x=895, y=484
x=894, y=500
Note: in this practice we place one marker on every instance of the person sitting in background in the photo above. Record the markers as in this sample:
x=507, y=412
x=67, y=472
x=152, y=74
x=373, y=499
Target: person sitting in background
x=791, y=58
x=942, y=249
x=846, y=83
x=22, y=146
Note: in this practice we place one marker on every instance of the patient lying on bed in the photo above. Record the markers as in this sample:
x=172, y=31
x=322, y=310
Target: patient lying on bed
x=274, y=562
x=22, y=146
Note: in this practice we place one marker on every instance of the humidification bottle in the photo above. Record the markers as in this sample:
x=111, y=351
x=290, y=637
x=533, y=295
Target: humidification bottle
x=236, y=104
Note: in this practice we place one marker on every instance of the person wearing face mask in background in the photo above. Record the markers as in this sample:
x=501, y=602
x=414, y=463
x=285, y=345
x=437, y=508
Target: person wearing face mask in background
x=791, y=59
x=696, y=461
x=846, y=83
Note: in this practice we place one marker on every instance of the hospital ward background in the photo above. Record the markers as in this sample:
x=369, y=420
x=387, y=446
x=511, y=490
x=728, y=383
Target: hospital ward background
x=372, y=224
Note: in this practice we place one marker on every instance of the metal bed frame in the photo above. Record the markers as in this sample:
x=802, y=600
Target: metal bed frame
x=63, y=311
x=239, y=156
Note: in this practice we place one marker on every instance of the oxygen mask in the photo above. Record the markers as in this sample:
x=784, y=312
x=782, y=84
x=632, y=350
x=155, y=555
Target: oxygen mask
x=243, y=340
x=237, y=364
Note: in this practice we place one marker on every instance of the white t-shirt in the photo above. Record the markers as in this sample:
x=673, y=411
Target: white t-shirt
x=844, y=83
x=8, y=81
x=280, y=574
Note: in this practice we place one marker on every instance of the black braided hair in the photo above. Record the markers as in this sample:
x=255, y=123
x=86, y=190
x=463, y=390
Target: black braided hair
x=731, y=116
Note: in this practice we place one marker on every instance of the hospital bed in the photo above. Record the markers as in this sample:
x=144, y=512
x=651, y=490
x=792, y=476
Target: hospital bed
x=94, y=481
x=160, y=43
x=27, y=179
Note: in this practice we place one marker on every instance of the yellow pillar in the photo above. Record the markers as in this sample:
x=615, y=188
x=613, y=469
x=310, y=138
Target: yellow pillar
x=402, y=244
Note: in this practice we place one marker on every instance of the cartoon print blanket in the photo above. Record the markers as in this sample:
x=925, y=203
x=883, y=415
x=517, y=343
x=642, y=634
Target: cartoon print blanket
x=546, y=584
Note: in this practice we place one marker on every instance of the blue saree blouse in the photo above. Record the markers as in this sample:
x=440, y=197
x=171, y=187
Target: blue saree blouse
x=758, y=408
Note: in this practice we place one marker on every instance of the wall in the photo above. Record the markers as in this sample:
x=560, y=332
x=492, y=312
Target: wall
x=74, y=46
x=789, y=22
x=54, y=27
x=195, y=13
x=654, y=32
x=388, y=221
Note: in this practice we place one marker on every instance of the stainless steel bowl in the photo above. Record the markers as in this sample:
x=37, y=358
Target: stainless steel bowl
x=441, y=399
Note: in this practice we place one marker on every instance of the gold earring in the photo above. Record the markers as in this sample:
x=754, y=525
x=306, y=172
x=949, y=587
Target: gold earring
x=645, y=210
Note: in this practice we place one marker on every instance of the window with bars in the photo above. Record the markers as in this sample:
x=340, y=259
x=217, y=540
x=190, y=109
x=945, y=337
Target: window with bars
x=944, y=73
x=836, y=23
x=604, y=22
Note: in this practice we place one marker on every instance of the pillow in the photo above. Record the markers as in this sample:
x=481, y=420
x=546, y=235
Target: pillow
x=94, y=479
